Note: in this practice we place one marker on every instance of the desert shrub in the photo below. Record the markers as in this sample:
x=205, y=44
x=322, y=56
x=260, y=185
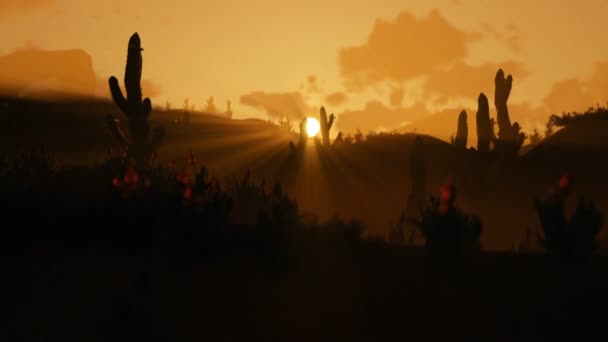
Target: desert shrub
x=184, y=216
x=592, y=113
x=446, y=229
x=568, y=239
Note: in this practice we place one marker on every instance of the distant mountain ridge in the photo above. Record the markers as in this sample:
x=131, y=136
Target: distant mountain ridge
x=32, y=71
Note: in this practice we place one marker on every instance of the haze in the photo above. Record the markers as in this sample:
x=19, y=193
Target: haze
x=378, y=66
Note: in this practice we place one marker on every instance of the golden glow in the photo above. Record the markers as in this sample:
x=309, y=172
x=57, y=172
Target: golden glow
x=312, y=127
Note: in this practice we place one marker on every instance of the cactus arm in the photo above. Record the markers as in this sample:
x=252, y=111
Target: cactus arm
x=325, y=125
x=146, y=108
x=117, y=95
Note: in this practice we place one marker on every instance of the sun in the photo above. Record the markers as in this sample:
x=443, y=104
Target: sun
x=312, y=127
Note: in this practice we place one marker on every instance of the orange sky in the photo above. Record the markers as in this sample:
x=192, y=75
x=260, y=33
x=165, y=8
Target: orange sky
x=402, y=59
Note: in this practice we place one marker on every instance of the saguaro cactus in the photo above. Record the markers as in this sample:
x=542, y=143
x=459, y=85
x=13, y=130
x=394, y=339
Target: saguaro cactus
x=484, y=124
x=137, y=111
x=463, y=131
x=510, y=139
x=501, y=96
x=325, y=125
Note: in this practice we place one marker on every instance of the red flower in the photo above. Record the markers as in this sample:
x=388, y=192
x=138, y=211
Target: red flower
x=565, y=183
x=188, y=193
x=182, y=178
x=192, y=160
x=131, y=177
x=448, y=193
x=116, y=181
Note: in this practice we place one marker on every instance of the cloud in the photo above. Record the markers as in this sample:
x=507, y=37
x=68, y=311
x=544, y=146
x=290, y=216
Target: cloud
x=466, y=81
x=336, y=99
x=10, y=7
x=511, y=37
x=579, y=94
x=291, y=104
x=313, y=85
x=428, y=51
x=396, y=96
x=402, y=49
x=150, y=88
x=376, y=115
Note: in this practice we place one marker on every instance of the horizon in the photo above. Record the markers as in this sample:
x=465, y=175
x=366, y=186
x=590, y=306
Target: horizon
x=348, y=67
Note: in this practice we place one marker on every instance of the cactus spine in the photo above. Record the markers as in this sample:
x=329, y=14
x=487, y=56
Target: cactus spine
x=463, y=131
x=137, y=111
x=325, y=125
x=484, y=124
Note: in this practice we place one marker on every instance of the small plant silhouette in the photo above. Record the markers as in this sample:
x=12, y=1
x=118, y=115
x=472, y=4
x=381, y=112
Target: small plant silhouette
x=535, y=137
x=570, y=239
x=285, y=123
x=447, y=230
x=229, y=109
x=358, y=136
x=210, y=108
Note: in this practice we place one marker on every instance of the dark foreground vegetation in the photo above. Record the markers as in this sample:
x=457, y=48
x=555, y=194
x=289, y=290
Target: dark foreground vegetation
x=111, y=253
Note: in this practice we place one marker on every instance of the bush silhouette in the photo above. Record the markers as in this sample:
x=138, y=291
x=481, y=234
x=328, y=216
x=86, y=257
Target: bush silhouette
x=568, y=239
x=447, y=230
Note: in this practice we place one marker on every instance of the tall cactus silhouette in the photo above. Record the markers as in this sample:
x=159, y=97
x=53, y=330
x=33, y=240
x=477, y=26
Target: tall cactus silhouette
x=510, y=139
x=325, y=125
x=484, y=124
x=463, y=131
x=141, y=146
x=501, y=96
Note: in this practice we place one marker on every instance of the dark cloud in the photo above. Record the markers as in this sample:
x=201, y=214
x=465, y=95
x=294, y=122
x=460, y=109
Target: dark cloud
x=10, y=7
x=291, y=104
x=336, y=99
x=428, y=49
x=403, y=49
x=376, y=115
x=466, y=81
